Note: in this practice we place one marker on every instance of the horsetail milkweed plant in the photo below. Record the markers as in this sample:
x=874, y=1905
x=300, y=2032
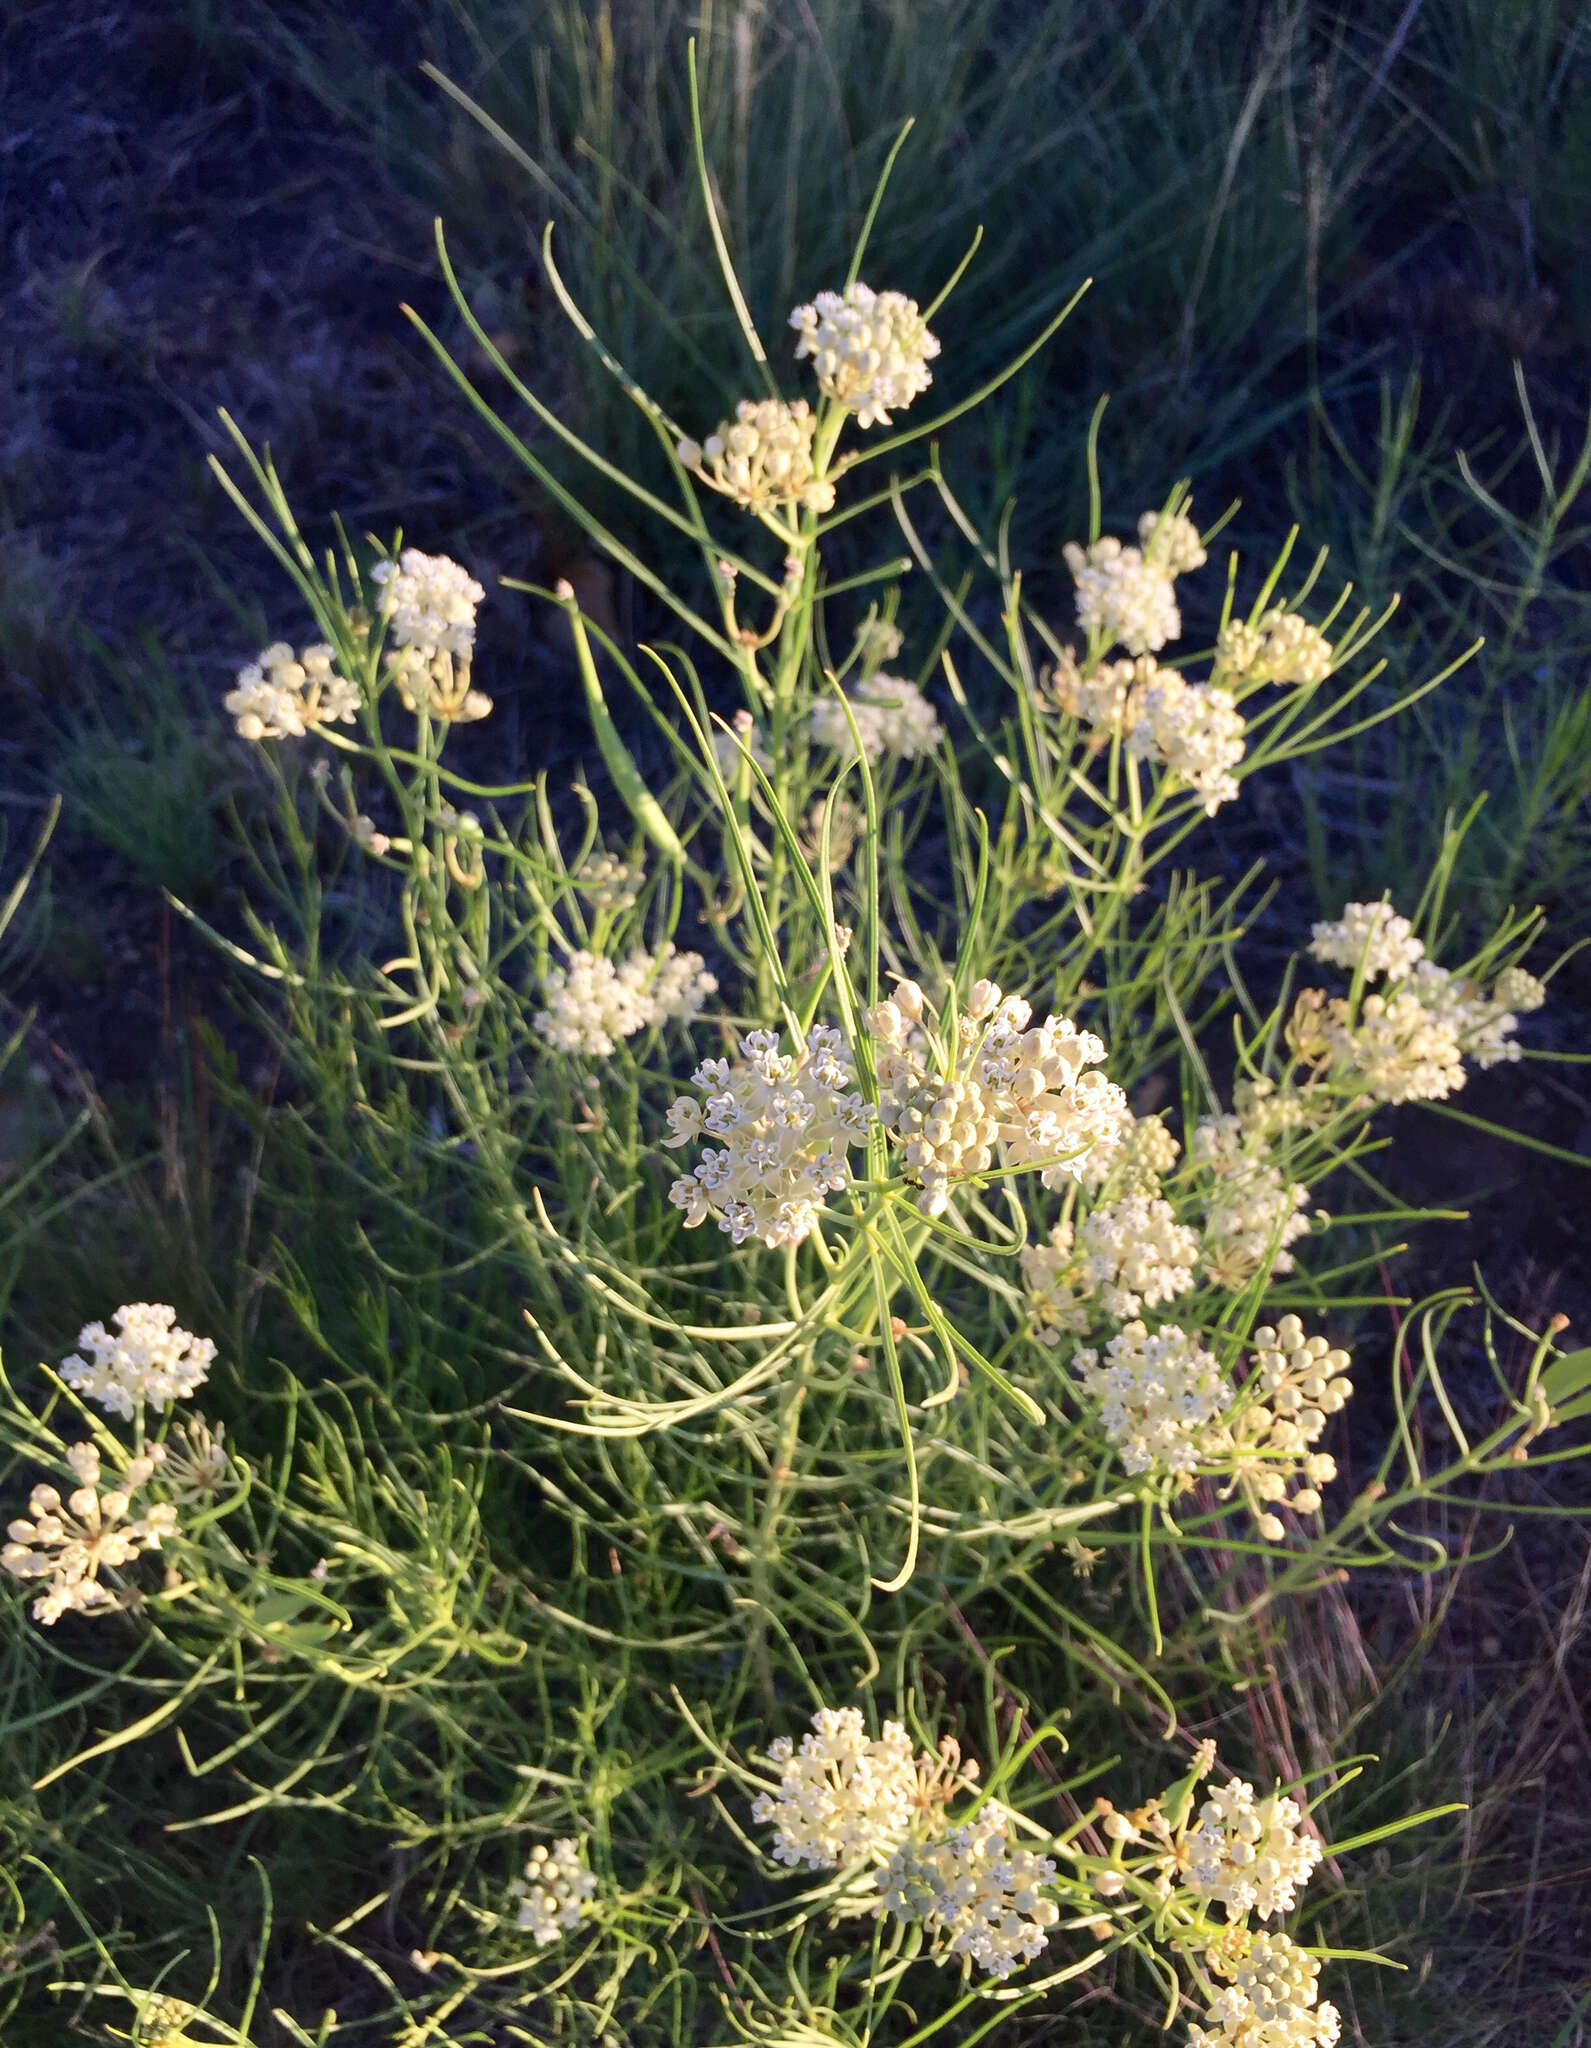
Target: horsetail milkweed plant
x=949, y=1200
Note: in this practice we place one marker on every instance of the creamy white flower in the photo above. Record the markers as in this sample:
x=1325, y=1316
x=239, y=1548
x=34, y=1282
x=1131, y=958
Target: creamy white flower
x=975, y=1890
x=284, y=696
x=428, y=602
x=1161, y=1397
x=870, y=350
x=1247, y=1853
x=1172, y=544
x=435, y=683
x=785, y=1122
x=1028, y=1092
x=1368, y=937
x=1282, y=648
x=762, y=458
x=844, y=1796
x=1195, y=731
x=593, y=1002
x=1137, y=1254
x=1252, y=1214
x=149, y=1359
x=892, y=717
x=1270, y=2001
x=1123, y=598
x=607, y=882
x=554, y=1890
x=70, y=1543
x=1057, y=1286
x=1301, y=1382
x=1132, y=1158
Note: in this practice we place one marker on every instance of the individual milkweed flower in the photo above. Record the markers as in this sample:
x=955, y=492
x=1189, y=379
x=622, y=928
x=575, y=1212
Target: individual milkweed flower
x=1282, y=648
x=1171, y=543
x=844, y=1796
x=1270, y=2001
x=592, y=1002
x=1025, y=1091
x=762, y=458
x=1247, y=1853
x=284, y=696
x=1369, y=938
x=1196, y=731
x=1137, y=1254
x=428, y=603
x=553, y=1892
x=149, y=1359
x=870, y=350
x=1161, y=1397
x=892, y=717
x=1122, y=598
x=70, y=1543
x=976, y=1891
x=785, y=1122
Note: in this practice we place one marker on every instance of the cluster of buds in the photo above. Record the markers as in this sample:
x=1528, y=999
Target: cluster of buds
x=995, y=1085
x=606, y=882
x=1300, y=1383
x=1252, y=1212
x=70, y=1542
x=786, y=1122
x=284, y=696
x=870, y=350
x=554, y=1891
x=1281, y=648
x=1195, y=732
x=1123, y=599
x=1269, y=1999
x=762, y=458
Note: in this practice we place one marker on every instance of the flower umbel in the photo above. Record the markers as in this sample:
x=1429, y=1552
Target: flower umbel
x=762, y=458
x=149, y=1359
x=593, y=1003
x=871, y=350
x=554, y=1890
x=283, y=696
x=428, y=602
x=1270, y=2001
x=70, y=1543
x=786, y=1121
x=844, y=1796
x=892, y=717
x=977, y=1891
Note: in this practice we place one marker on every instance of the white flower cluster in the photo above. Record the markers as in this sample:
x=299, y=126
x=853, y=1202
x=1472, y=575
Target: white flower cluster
x=592, y=1003
x=428, y=602
x=1282, y=648
x=1193, y=730
x=1252, y=1214
x=1057, y=1287
x=977, y=1891
x=1171, y=542
x=70, y=1543
x=871, y=350
x=1161, y=1398
x=786, y=1121
x=1025, y=1089
x=437, y=685
x=1370, y=936
x=1271, y=2000
x=1125, y=599
x=844, y=1796
x=1302, y=1381
x=892, y=717
x=1247, y=1853
x=607, y=882
x=148, y=1359
x=1137, y=1254
x=762, y=458
x=1109, y=699
x=1407, y=1040
x=283, y=696
x=554, y=1890
x=1133, y=1157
